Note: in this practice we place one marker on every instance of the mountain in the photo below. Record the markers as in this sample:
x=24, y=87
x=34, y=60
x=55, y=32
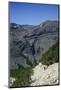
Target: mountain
x=28, y=43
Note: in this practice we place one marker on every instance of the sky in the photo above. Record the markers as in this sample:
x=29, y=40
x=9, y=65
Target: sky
x=31, y=14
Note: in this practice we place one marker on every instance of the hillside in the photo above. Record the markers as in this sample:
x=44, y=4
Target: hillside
x=51, y=56
x=46, y=72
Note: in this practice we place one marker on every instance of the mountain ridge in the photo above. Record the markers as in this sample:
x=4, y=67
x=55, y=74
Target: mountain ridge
x=29, y=44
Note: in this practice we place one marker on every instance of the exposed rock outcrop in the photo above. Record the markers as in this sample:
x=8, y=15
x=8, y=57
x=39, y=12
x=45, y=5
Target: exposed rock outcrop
x=44, y=75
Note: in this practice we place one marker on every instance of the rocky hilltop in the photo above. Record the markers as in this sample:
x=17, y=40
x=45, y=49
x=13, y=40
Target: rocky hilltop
x=28, y=42
x=44, y=75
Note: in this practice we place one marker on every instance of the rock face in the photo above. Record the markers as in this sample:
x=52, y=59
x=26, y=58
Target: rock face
x=44, y=75
x=28, y=42
x=12, y=80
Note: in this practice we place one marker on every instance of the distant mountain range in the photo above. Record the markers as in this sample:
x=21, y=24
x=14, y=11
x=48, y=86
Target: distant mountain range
x=28, y=42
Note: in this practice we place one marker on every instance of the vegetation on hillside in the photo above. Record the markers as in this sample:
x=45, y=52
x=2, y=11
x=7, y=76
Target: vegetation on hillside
x=22, y=77
x=51, y=56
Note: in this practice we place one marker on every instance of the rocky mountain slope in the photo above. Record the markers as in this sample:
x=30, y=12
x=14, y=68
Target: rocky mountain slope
x=28, y=42
x=45, y=73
